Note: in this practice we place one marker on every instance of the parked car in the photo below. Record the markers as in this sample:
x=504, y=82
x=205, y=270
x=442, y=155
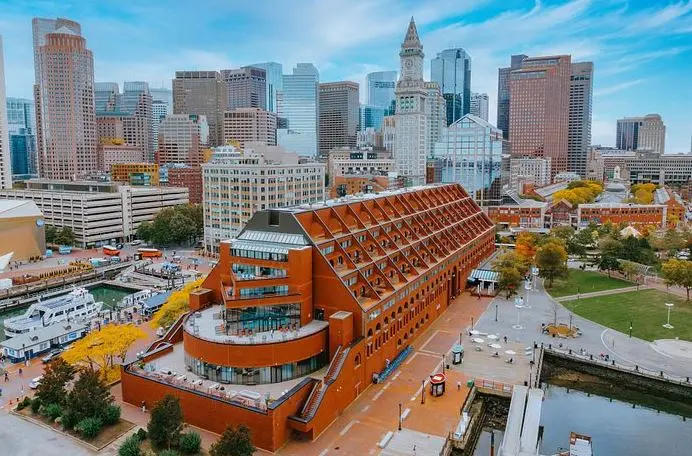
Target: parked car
x=33, y=384
x=119, y=246
x=136, y=242
x=52, y=355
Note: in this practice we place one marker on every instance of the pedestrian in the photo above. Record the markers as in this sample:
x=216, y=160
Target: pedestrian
x=7, y=377
x=458, y=386
x=144, y=407
x=20, y=371
x=505, y=338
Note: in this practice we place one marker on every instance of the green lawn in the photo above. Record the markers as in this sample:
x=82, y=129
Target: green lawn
x=584, y=282
x=645, y=309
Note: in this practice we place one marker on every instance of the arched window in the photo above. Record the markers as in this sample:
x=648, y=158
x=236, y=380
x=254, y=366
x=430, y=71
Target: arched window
x=356, y=360
x=378, y=327
x=370, y=332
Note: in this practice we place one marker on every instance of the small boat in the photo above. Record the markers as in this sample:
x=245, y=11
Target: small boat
x=77, y=305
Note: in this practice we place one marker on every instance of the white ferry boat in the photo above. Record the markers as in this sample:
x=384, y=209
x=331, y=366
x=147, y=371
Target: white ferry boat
x=78, y=305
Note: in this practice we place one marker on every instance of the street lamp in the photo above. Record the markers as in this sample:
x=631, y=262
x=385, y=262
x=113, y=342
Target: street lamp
x=496, y=311
x=399, y=415
x=630, y=330
x=519, y=304
x=527, y=287
x=422, y=392
x=669, y=305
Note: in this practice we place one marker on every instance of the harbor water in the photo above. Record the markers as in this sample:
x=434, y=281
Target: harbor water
x=617, y=428
x=108, y=294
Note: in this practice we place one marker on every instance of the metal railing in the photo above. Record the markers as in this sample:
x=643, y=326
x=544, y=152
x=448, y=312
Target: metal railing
x=611, y=364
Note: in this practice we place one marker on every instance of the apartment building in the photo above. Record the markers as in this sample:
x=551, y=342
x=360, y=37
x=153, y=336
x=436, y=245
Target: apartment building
x=237, y=183
x=135, y=173
x=245, y=125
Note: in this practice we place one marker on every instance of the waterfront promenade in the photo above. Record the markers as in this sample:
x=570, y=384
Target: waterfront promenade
x=669, y=357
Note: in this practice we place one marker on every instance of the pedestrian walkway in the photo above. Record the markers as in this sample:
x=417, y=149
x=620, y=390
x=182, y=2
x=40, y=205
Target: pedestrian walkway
x=600, y=293
x=376, y=411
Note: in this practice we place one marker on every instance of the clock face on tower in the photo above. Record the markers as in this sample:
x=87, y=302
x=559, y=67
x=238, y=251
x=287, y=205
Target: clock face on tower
x=408, y=64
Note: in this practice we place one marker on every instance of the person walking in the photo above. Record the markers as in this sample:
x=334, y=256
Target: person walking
x=7, y=377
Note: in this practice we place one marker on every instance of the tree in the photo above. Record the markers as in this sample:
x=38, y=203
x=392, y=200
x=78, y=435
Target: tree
x=99, y=350
x=177, y=304
x=166, y=422
x=233, y=442
x=509, y=280
x=678, y=272
x=514, y=260
x=65, y=236
x=609, y=246
x=144, y=231
x=89, y=397
x=630, y=269
x=56, y=375
x=51, y=232
x=174, y=225
x=608, y=263
x=563, y=232
x=551, y=259
x=581, y=241
x=526, y=245
x=673, y=241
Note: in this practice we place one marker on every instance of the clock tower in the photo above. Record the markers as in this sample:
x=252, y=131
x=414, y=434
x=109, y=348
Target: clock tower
x=411, y=55
x=411, y=127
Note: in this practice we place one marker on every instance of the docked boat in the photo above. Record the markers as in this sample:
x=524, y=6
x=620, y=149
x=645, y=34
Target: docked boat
x=78, y=305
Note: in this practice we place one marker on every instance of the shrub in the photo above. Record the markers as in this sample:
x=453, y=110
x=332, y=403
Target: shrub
x=51, y=411
x=142, y=434
x=130, y=447
x=190, y=442
x=24, y=403
x=169, y=453
x=69, y=419
x=35, y=404
x=89, y=427
x=111, y=414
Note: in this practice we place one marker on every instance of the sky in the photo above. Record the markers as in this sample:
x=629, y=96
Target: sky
x=641, y=49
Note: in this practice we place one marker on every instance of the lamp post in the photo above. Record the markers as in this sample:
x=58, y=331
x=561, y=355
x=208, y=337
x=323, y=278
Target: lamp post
x=630, y=329
x=518, y=303
x=527, y=287
x=399, y=415
x=496, y=311
x=422, y=392
x=669, y=305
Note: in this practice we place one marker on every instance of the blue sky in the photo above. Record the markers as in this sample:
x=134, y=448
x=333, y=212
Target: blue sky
x=642, y=49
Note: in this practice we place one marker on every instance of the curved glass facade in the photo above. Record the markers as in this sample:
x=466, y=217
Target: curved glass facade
x=256, y=375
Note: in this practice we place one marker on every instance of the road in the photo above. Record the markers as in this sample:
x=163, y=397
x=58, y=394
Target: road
x=595, y=338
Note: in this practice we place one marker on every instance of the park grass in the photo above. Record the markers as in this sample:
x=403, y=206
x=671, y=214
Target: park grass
x=585, y=282
x=645, y=309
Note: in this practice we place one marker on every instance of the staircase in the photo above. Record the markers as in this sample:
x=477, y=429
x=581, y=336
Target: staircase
x=320, y=388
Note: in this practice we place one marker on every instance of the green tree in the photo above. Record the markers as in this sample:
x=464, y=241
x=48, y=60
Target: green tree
x=89, y=397
x=144, y=231
x=513, y=260
x=610, y=246
x=673, y=242
x=56, y=375
x=509, y=280
x=630, y=269
x=563, y=232
x=51, y=232
x=65, y=236
x=166, y=422
x=678, y=272
x=233, y=442
x=551, y=259
x=608, y=263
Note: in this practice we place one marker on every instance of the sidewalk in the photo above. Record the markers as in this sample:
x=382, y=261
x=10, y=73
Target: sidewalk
x=600, y=293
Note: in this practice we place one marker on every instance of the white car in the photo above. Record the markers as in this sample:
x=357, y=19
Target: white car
x=33, y=384
x=136, y=242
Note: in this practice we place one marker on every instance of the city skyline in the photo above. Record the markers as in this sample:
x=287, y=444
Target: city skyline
x=620, y=38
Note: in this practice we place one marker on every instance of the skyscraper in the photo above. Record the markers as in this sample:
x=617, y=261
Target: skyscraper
x=159, y=110
x=379, y=88
x=21, y=126
x=202, y=93
x=274, y=82
x=641, y=133
x=503, y=94
x=579, y=135
x=64, y=96
x=5, y=158
x=300, y=108
x=435, y=113
x=338, y=115
x=130, y=110
x=162, y=95
x=371, y=117
x=246, y=88
x=451, y=69
x=180, y=138
x=479, y=105
x=243, y=125
x=411, y=143
x=539, y=109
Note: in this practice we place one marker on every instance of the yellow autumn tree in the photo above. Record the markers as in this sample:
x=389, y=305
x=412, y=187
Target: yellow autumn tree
x=526, y=246
x=103, y=350
x=177, y=304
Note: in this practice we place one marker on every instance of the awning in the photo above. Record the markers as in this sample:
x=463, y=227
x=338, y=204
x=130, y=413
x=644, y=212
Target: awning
x=484, y=275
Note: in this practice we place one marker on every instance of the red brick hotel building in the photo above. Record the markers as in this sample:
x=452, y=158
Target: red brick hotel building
x=307, y=304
